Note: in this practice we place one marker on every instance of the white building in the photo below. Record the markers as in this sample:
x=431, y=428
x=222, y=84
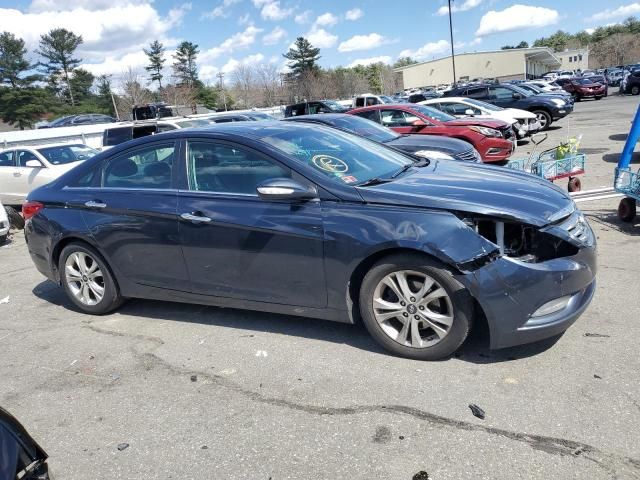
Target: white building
x=574, y=59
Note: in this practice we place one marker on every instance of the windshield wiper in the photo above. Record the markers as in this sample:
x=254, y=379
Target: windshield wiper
x=418, y=163
x=373, y=181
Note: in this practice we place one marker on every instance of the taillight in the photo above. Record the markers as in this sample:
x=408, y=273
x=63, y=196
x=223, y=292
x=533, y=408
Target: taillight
x=29, y=209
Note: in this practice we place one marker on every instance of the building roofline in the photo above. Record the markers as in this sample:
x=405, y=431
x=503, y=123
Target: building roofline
x=530, y=49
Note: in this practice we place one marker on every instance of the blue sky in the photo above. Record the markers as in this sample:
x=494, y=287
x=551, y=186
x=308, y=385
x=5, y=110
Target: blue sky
x=231, y=32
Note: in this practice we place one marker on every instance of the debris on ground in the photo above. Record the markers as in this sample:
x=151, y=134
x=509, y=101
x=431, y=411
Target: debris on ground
x=261, y=353
x=401, y=437
x=194, y=378
x=595, y=375
x=578, y=451
x=122, y=446
x=596, y=335
x=477, y=411
x=4, y=300
x=421, y=475
x=203, y=447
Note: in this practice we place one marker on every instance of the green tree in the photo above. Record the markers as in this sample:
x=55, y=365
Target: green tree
x=105, y=100
x=58, y=48
x=23, y=106
x=13, y=64
x=81, y=82
x=155, y=53
x=303, y=57
x=208, y=96
x=185, y=68
x=404, y=61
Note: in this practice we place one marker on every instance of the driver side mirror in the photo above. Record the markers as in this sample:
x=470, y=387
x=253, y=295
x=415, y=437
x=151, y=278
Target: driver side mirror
x=418, y=125
x=516, y=96
x=469, y=112
x=285, y=189
x=34, y=164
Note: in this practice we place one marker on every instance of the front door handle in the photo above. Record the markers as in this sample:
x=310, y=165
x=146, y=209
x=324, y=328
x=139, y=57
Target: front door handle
x=17, y=174
x=195, y=218
x=94, y=204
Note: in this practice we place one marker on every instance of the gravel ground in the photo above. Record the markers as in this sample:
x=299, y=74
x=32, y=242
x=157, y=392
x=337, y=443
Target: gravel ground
x=202, y=392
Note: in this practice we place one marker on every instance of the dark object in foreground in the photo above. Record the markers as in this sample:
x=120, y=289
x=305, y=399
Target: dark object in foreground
x=477, y=411
x=20, y=455
x=123, y=446
x=421, y=475
x=596, y=335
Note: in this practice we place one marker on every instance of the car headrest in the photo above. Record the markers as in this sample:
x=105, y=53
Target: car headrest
x=124, y=167
x=158, y=169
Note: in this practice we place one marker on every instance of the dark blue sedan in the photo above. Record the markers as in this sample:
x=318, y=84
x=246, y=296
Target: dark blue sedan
x=307, y=220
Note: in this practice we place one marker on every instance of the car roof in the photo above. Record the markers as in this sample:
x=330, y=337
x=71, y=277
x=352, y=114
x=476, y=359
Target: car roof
x=245, y=129
x=320, y=118
x=45, y=145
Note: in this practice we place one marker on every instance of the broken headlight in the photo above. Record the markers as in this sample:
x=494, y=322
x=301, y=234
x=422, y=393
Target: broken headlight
x=520, y=241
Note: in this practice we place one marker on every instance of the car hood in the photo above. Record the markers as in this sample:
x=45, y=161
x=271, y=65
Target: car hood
x=518, y=113
x=64, y=168
x=467, y=122
x=473, y=188
x=435, y=142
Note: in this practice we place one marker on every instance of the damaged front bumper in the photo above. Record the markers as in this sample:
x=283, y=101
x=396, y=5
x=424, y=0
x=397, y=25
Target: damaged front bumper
x=525, y=302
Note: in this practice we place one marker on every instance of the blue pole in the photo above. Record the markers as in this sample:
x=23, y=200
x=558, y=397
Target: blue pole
x=632, y=139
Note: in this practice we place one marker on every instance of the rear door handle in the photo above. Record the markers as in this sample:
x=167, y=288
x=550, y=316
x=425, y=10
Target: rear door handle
x=195, y=218
x=17, y=174
x=94, y=204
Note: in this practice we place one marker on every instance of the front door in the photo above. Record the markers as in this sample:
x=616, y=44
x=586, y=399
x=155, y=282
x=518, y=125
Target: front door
x=239, y=246
x=132, y=215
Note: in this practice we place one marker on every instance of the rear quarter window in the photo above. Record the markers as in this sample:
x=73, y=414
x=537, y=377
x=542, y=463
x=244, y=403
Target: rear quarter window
x=116, y=136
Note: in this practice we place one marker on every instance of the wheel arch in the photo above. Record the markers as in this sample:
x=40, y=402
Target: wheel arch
x=74, y=238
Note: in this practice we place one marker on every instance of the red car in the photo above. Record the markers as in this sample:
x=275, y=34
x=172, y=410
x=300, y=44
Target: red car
x=581, y=88
x=493, y=139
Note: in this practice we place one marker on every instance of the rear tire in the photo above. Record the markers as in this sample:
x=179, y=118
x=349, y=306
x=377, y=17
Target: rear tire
x=87, y=279
x=15, y=219
x=431, y=317
x=544, y=118
x=3, y=239
x=635, y=90
x=574, y=185
x=627, y=209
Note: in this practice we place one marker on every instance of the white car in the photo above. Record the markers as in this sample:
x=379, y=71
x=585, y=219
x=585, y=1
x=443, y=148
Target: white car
x=23, y=169
x=524, y=123
x=4, y=224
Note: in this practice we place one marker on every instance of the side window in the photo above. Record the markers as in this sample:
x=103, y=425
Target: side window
x=148, y=167
x=372, y=101
x=458, y=109
x=373, y=115
x=397, y=118
x=314, y=108
x=360, y=102
x=221, y=168
x=116, y=136
x=88, y=179
x=477, y=93
x=6, y=159
x=500, y=93
x=165, y=127
x=23, y=156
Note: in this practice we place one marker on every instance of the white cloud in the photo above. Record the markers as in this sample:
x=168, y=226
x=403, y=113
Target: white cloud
x=275, y=36
x=111, y=32
x=304, y=17
x=427, y=50
x=271, y=9
x=516, y=17
x=362, y=42
x=475, y=41
x=370, y=60
x=38, y=6
x=320, y=38
x=353, y=14
x=221, y=10
x=622, y=11
x=326, y=20
x=237, y=41
x=232, y=63
x=208, y=73
x=590, y=30
x=459, y=7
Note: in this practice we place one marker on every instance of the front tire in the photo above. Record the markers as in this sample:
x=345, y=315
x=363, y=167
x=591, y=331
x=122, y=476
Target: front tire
x=15, y=219
x=627, y=209
x=414, y=308
x=544, y=118
x=87, y=280
x=635, y=90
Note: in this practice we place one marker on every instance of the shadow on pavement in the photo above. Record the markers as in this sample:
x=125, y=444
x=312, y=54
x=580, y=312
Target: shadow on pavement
x=614, y=157
x=619, y=137
x=474, y=350
x=610, y=219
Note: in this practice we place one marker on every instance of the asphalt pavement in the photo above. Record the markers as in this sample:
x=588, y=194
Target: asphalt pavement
x=202, y=392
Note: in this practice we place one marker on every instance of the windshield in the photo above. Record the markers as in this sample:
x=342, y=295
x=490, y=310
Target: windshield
x=522, y=91
x=533, y=88
x=67, y=154
x=200, y=122
x=483, y=105
x=61, y=120
x=340, y=156
x=432, y=113
x=583, y=81
x=386, y=99
x=260, y=116
x=334, y=106
x=366, y=128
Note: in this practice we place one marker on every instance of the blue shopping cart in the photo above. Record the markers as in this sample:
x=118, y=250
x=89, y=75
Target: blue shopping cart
x=555, y=163
x=627, y=181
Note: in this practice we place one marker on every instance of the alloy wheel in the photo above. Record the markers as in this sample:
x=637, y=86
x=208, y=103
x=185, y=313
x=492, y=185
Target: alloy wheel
x=412, y=308
x=542, y=118
x=84, y=278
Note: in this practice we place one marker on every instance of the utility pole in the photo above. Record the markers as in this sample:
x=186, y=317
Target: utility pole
x=224, y=97
x=453, y=57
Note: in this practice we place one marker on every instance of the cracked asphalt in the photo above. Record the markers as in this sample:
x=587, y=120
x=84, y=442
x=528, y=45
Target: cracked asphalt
x=203, y=392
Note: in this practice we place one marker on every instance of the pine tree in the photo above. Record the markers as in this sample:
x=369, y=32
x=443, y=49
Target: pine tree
x=155, y=53
x=58, y=47
x=303, y=57
x=12, y=60
x=185, y=68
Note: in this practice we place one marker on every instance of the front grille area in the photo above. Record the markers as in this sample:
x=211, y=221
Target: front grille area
x=578, y=228
x=467, y=156
x=507, y=132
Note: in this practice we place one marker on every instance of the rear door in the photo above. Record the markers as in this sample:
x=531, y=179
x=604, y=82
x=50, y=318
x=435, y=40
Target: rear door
x=7, y=169
x=239, y=246
x=130, y=210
